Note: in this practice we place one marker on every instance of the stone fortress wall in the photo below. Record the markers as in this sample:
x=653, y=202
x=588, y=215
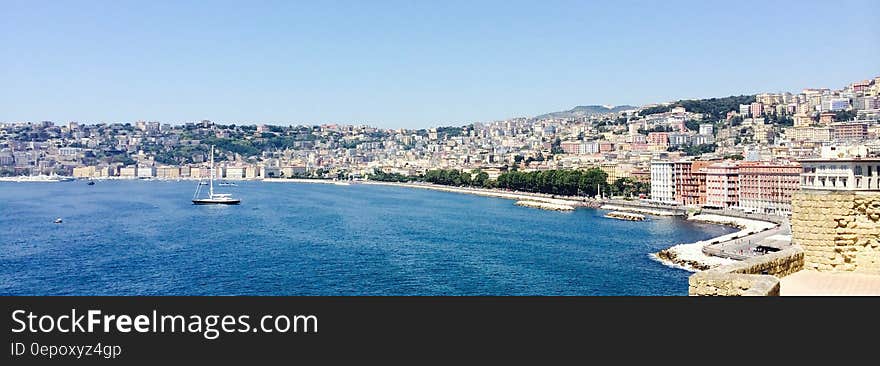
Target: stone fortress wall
x=839, y=231
x=835, y=231
x=758, y=276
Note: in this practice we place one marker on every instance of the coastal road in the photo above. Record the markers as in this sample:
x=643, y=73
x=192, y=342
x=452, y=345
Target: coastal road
x=743, y=247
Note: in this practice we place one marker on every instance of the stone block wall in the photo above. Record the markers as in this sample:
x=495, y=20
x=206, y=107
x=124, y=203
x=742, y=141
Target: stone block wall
x=839, y=231
x=758, y=276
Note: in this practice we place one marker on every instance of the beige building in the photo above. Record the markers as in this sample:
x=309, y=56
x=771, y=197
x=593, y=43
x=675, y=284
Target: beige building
x=235, y=172
x=615, y=170
x=128, y=172
x=819, y=134
x=199, y=172
x=105, y=171
x=168, y=172
x=252, y=171
x=84, y=172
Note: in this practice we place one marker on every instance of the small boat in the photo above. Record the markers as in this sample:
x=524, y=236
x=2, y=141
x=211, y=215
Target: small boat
x=91, y=183
x=58, y=220
x=213, y=198
x=227, y=184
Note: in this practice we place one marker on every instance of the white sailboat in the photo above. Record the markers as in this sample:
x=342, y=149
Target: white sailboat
x=213, y=198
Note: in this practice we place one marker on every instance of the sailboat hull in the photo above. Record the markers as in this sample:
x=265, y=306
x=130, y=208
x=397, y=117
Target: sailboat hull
x=209, y=201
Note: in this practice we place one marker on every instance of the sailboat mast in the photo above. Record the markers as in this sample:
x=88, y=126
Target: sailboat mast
x=211, y=187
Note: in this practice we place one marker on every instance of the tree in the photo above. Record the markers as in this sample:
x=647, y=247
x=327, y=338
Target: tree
x=842, y=116
x=734, y=157
x=556, y=147
x=480, y=178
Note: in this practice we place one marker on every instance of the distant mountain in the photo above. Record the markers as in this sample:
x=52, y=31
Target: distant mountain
x=587, y=110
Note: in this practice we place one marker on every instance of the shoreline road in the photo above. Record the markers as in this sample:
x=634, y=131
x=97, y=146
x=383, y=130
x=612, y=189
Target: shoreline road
x=745, y=247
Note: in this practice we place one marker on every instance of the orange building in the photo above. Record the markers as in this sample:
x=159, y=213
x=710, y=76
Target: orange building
x=690, y=182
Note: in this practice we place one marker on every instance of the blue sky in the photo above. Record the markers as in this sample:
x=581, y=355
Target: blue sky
x=412, y=64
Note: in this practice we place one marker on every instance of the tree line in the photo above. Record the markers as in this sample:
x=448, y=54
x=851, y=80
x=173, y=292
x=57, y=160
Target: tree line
x=561, y=182
x=558, y=182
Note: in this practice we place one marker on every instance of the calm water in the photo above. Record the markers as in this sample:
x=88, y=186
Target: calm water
x=145, y=238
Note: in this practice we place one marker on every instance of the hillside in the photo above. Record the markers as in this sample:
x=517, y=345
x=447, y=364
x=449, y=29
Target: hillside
x=586, y=110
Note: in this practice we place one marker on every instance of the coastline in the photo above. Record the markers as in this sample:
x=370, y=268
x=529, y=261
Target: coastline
x=517, y=196
x=687, y=256
x=690, y=256
x=301, y=180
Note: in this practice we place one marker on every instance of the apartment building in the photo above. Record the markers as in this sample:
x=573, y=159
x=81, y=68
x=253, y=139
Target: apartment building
x=766, y=187
x=663, y=181
x=722, y=184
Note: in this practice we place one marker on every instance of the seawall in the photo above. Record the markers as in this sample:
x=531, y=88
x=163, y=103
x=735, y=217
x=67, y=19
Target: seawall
x=758, y=276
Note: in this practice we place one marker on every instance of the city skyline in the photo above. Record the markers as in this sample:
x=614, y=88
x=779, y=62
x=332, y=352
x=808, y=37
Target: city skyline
x=406, y=66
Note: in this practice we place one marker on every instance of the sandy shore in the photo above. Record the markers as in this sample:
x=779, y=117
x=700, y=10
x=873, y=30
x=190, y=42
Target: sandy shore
x=691, y=257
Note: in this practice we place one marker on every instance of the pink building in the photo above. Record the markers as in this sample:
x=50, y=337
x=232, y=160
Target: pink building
x=757, y=109
x=766, y=187
x=722, y=185
x=658, y=139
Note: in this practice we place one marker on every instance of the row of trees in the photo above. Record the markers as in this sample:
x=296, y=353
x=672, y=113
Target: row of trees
x=561, y=182
x=694, y=150
x=629, y=187
x=452, y=177
x=381, y=176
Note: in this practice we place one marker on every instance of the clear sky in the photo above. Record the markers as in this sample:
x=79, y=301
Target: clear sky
x=412, y=63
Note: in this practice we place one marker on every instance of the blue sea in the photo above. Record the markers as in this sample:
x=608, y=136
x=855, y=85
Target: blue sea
x=146, y=238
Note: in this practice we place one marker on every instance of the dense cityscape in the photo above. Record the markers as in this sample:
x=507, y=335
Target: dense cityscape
x=746, y=152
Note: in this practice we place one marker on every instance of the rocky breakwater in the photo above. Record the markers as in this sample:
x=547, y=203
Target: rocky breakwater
x=625, y=216
x=641, y=210
x=545, y=205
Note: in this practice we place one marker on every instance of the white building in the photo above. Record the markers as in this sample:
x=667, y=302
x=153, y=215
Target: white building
x=841, y=174
x=662, y=181
x=706, y=129
x=146, y=171
x=835, y=104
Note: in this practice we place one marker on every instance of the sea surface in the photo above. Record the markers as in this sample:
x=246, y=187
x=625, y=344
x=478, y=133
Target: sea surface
x=146, y=238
